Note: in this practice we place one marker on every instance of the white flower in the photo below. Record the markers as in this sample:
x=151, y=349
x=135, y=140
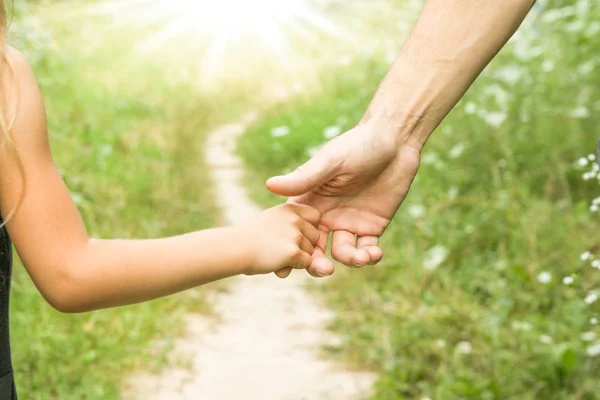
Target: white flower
x=470, y=108
x=521, y=326
x=591, y=298
x=510, y=73
x=575, y=26
x=544, y=277
x=586, y=68
x=593, y=320
x=429, y=158
x=568, y=280
x=594, y=350
x=426, y=398
x=332, y=131
x=583, y=162
x=585, y=256
x=596, y=264
x=493, y=118
x=464, y=347
x=594, y=208
x=588, y=336
x=596, y=201
x=591, y=157
x=106, y=149
x=501, y=96
x=416, y=211
x=280, y=131
x=452, y=192
x=457, y=150
x=77, y=198
x=558, y=13
x=434, y=257
x=501, y=264
x=441, y=343
x=545, y=339
x=593, y=28
x=313, y=151
x=547, y=66
x=579, y=112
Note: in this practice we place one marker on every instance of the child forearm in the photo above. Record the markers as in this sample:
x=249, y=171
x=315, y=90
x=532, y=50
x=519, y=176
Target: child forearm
x=108, y=273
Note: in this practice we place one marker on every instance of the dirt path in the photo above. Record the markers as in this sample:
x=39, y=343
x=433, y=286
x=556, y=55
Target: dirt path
x=265, y=345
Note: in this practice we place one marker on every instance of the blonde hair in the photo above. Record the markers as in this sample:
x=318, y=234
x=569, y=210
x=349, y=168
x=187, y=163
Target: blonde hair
x=7, y=143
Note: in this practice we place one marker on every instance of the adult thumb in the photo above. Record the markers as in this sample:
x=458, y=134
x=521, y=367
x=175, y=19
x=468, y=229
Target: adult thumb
x=306, y=177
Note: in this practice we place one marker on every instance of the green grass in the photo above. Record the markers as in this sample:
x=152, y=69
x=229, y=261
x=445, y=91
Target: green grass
x=130, y=153
x=126, y=132
x=497, y=202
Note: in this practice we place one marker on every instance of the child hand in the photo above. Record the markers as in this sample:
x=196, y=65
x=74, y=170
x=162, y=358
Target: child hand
x=282, y=236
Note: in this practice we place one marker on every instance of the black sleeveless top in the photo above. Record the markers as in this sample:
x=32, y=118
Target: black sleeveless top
x=7, y=383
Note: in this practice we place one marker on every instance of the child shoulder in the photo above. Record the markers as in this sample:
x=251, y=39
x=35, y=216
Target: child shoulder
x=20, y=87
x=17, y=67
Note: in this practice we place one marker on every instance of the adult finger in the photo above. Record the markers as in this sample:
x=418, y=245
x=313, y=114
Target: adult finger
x=371, y=245
x=308, y=176
x=343, y=249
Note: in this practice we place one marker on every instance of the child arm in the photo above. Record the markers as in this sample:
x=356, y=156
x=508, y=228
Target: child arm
x=76, y=273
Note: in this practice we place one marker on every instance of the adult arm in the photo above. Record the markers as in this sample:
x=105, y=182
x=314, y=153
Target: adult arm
x=359, y=179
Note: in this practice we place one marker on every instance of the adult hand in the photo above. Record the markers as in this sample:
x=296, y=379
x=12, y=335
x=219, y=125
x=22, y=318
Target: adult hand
x=357, y=181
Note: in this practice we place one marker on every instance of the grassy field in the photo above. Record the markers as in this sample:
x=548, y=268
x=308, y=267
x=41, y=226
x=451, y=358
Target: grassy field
x=130, y=152
x=127, y=130
x=471, y=300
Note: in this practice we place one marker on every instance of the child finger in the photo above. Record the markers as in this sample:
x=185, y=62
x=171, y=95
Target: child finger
x=310, y=232
x=320, y=265
x=309, y=214
x=306, y=246
x=302, y=260
x=283, y=272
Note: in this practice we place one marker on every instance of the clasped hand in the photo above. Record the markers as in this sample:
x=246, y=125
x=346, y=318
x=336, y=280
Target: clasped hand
x=353, y=187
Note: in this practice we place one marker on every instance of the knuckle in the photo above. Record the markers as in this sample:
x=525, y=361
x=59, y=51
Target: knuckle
x=295, y=253
x=296, y=219
x=297, y=236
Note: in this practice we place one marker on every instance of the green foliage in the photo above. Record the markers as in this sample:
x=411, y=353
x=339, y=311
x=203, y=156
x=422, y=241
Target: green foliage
x=131, y=157
x=469, y=301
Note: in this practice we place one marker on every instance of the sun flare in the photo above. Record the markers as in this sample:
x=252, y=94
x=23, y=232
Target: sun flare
x=224, y=31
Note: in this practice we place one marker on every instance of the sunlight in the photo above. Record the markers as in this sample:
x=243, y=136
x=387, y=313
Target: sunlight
x=224, y=36
x=230, y=25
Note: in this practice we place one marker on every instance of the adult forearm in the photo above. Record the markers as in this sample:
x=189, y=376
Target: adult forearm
x=448, y=48
x=107, y=273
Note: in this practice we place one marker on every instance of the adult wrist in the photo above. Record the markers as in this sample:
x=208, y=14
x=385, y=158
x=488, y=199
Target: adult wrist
x=397, y=128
